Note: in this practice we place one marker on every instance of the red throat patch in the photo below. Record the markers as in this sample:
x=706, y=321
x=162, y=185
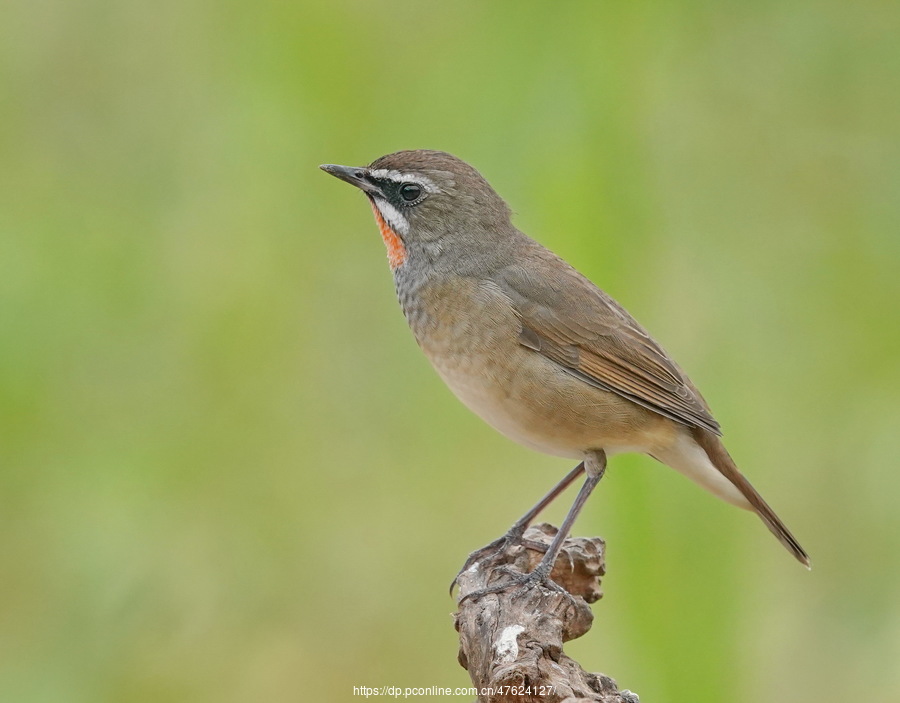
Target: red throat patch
x=395, y=250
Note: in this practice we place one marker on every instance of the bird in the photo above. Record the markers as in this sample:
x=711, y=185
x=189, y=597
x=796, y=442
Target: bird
x=533, y=347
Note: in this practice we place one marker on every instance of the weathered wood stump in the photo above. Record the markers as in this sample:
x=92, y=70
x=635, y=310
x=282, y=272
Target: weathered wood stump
x=511, y=642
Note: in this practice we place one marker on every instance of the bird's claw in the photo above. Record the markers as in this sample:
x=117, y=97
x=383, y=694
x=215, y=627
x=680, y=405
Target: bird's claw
x=524, y=582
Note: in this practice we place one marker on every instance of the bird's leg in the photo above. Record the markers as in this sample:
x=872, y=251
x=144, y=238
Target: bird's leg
x=514, y=535
x=595, y=466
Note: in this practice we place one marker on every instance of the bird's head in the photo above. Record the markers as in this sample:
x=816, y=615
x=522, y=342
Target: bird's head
x=427, y=200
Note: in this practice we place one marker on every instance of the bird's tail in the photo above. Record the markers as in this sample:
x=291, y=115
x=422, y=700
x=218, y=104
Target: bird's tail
x=720, y=458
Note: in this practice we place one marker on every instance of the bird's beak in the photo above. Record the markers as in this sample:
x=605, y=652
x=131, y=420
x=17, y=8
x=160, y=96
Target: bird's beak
x=354, y=175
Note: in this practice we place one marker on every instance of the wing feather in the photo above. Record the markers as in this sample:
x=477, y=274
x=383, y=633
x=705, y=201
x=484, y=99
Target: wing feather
x=575, y=324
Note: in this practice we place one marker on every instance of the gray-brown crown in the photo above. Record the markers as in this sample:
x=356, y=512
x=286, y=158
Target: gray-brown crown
x=462, y=195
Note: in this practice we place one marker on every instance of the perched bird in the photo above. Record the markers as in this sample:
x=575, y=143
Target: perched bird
x=532, y=346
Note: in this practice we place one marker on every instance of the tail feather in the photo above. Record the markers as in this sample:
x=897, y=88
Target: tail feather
x=720, y=458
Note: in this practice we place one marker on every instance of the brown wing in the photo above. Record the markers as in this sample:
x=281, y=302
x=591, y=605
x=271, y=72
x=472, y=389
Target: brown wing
x=574, y=323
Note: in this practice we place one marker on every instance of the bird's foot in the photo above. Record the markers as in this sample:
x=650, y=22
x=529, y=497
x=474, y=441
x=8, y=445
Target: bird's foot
x=540, y=577
x=491, y=553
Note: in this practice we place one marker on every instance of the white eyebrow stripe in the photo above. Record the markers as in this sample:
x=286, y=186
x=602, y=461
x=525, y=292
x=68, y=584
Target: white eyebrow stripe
x=392, y=216
x=400, y=177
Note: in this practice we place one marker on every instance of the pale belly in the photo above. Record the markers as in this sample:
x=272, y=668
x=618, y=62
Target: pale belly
x=540, y=416
x=534, y=402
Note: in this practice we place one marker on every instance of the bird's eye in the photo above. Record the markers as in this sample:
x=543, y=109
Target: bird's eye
x=410, y=192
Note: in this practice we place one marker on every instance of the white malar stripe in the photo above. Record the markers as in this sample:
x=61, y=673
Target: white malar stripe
x=392, y=216
x=399, y=177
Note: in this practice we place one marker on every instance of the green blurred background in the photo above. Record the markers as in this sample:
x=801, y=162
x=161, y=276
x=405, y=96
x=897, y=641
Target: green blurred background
x=228, y=474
